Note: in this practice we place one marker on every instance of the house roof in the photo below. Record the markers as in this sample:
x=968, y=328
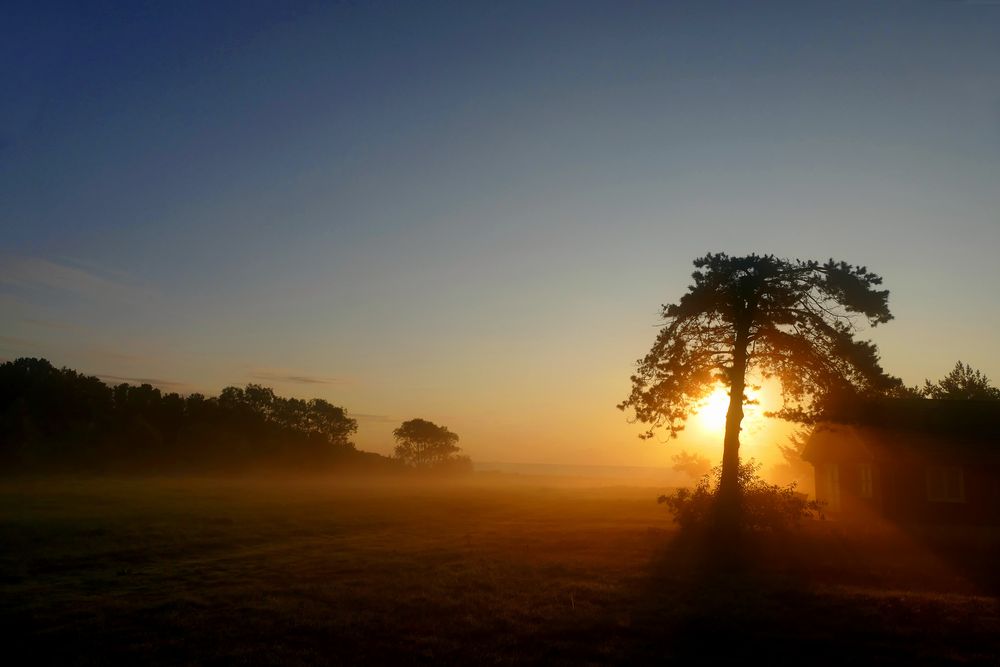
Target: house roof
x=979, y=419
x=958, y=430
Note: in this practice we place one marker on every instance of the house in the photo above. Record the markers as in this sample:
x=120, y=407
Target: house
x=910, y=461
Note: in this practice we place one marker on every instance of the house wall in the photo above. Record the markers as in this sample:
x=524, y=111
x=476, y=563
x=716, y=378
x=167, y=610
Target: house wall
x=903, y=439
x=899, y=493
x=852, y=505
x=907, y=498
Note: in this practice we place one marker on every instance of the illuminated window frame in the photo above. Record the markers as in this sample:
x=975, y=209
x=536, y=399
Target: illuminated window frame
x=945, y=484
x=832, y=484
x=865, y=479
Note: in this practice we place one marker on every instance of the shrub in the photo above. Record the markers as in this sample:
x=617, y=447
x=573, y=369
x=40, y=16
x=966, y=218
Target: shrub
x=763, y=506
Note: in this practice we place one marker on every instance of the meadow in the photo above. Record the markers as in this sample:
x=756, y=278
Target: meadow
x=493, y=569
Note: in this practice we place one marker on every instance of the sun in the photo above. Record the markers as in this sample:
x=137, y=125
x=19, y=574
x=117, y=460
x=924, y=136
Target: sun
x=712, y=413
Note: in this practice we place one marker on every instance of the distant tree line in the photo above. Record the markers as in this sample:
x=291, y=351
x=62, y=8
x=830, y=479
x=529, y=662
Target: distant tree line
x=56, y=419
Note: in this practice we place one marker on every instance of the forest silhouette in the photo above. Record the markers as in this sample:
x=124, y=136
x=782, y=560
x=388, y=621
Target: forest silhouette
x=56, y=419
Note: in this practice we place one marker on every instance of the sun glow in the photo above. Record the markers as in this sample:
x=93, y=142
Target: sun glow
x=712, y=413
x=759, y=434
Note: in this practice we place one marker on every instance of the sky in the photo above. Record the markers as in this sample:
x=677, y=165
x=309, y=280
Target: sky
x=471, y=212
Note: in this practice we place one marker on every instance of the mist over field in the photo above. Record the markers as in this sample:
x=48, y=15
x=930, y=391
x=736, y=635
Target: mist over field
x=496, y=568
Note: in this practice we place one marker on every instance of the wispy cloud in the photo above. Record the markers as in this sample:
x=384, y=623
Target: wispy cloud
x=51, y=324
x=156, y=382
x=296, y=377
x=15, y=343
x=38, y=273
x=378, y=419
x=120, y=353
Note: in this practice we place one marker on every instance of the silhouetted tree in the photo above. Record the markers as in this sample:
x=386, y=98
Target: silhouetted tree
x=328, y=421
x=963, y=382
x=693, y=465
x=794, y=468
x=424, y=444
x=764, y=316
x=50, y=414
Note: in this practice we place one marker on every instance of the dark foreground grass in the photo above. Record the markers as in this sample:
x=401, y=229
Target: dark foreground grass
x=326, y=572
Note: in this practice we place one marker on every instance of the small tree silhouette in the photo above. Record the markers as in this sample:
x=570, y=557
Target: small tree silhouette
x=424, y=444
x=693, y=465
x=794, y=468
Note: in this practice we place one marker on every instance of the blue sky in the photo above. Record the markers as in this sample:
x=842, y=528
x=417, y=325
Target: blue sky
x=470, y=212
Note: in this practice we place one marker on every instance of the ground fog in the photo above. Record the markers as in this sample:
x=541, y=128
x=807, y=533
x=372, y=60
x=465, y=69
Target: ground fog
x=494, y=568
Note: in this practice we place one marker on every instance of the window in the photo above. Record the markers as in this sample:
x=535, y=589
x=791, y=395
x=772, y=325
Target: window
x=865, y=476
x=945, y=484
x=833, y=487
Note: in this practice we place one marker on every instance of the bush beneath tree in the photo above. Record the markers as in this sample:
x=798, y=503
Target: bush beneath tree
x=764, y=507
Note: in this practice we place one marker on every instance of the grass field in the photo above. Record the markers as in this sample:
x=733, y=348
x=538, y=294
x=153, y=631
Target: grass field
x=489, y=570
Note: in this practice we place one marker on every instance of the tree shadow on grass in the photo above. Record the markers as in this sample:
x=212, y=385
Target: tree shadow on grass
x=971, y=552
x=795, y=599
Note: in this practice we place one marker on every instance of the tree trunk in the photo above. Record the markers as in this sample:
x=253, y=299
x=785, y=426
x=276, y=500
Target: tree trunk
x=729, y=487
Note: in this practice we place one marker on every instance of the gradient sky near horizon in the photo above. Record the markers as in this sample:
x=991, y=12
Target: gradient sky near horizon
x=470, y=212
